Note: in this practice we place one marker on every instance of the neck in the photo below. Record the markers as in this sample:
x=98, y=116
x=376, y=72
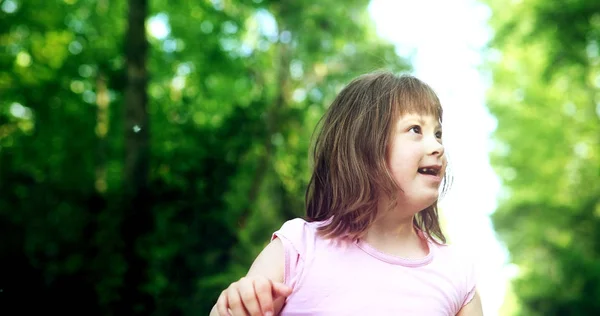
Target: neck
x=393, y=232
x=391, y=226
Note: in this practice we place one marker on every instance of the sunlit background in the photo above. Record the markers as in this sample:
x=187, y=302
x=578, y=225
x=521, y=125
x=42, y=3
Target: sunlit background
x=445, y=46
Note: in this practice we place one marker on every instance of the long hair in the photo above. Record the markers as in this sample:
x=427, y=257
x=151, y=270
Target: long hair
x=351, y=171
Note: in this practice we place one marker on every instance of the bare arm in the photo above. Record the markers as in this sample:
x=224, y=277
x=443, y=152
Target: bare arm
x=473, y=308
x=270, y=265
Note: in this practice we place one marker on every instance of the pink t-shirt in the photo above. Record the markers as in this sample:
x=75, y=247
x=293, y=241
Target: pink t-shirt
x=352, y=278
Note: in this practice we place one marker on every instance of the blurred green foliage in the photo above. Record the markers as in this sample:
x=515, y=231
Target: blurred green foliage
x=235, y=89
x=545, y=93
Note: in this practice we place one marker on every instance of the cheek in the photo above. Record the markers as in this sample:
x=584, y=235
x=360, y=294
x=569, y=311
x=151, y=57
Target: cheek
x=404, y=157
x=400, y=165
x=445, y=163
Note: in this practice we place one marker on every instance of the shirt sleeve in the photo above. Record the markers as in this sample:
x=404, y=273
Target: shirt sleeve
x=470, y=281
x=293, y=235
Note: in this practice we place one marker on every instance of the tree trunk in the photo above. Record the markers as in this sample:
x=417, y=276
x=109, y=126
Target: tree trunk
x=137, y=216
x=136, y=99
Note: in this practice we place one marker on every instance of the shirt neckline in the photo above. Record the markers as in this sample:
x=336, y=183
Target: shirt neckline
x=407, y=262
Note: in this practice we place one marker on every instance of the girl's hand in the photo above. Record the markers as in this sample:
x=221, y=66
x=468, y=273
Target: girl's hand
x=252, y=295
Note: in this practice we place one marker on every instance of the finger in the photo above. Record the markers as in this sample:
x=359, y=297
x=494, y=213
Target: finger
x=249, y=299
x=222, y=304
x=262, y=288
x=281, y=290
x=234, y=301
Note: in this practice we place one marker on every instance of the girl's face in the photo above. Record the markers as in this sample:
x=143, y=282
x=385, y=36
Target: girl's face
x=417, y=160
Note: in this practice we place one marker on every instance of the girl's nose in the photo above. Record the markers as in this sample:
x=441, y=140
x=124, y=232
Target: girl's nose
x=435, y=147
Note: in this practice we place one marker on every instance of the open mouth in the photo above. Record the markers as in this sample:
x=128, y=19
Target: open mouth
x=430, y=170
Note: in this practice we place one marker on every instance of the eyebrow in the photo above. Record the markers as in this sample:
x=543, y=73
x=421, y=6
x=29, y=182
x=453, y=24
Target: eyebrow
x=420, y=120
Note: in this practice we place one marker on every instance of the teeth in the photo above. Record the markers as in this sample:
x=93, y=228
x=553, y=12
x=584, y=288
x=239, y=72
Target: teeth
x=427, y=170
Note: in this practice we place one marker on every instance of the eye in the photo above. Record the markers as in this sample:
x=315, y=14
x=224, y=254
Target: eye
x=415, y=129
x=438, y=134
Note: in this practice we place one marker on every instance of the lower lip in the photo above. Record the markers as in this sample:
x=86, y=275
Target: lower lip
x=432, y=177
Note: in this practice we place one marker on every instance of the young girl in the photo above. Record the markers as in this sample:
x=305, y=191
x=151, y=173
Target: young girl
x=371, y=243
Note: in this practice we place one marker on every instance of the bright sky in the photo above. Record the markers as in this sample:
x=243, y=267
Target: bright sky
x=444, y=39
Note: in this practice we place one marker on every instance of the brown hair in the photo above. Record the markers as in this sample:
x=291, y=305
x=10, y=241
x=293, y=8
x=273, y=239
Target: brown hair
x=350, y=154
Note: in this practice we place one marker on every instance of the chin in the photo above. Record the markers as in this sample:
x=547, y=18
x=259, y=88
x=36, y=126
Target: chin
x=428, y=201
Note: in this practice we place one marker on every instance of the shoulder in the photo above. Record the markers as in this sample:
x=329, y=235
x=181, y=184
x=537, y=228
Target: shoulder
x=294, y=225
x=460, y=261
x=298, y=238
x=453, y=254
x=298, y=234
